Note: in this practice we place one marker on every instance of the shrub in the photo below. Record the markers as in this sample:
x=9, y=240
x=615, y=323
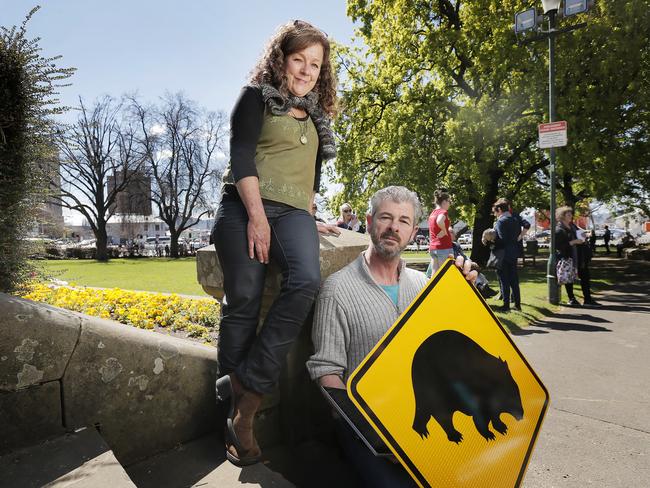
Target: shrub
x=27, y=84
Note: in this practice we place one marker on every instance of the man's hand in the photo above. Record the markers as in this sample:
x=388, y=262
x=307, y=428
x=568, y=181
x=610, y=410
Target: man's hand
x=331, y=381
x=465, y=265
x=328, y=229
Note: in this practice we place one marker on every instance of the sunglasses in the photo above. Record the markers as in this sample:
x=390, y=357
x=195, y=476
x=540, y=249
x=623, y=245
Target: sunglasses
x=301, y=24
x=347, y=210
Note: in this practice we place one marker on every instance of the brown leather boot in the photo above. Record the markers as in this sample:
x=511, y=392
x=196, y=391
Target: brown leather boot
x=241, y=446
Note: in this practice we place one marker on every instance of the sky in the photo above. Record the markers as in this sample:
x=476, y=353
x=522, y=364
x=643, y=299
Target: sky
x=205, y=48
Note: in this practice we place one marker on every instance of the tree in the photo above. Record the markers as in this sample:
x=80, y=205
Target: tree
x=98, y=158
x=180, y=144
x=445, y=96
x=604, y=95
x=28, y=84
x=440, y=99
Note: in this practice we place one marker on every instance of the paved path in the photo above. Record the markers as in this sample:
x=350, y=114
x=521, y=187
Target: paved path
x=596, y=366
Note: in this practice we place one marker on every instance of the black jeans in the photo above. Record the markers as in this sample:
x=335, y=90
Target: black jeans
x=373, y=472
x=255, y=358
x=509, y=281
x=585, y=284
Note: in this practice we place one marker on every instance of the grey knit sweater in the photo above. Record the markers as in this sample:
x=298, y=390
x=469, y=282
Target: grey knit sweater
x=352, y=313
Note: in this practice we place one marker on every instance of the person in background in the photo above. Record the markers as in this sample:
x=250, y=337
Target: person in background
x=508, y=230
x=440, y=241
x=626, y=241
x=279, y=135
x=592, y=241
x=607, y=236
x=348, y=218
x=569, y=246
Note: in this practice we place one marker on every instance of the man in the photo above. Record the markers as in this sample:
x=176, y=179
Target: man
x=358, y=304
x=607, y=236
x=508, y=230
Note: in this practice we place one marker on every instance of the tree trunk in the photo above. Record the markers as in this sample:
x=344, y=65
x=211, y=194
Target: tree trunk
x=101, y=244
x=484, y=220
x=570, y=198
x=173, y=245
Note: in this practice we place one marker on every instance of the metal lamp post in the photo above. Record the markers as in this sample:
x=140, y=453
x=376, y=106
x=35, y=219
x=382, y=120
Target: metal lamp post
x=529, y=20
x=550, y=10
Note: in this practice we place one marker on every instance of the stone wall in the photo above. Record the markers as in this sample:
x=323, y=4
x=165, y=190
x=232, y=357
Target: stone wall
x=59, y=370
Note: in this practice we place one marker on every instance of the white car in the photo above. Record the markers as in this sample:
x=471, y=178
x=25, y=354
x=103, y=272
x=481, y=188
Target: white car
x=465, y=239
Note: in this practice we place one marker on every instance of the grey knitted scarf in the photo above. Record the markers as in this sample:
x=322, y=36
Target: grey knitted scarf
x=280, y=105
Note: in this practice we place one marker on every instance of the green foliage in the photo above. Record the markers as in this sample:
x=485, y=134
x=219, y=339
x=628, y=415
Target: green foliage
x=443, y=95
x=603, y=88
x=27, y=89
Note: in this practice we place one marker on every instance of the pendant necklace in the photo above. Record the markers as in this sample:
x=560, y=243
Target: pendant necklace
x=303, y=129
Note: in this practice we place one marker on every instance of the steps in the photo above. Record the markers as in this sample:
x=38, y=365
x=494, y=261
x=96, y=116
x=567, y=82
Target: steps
x=201, y=463
x=78, y=460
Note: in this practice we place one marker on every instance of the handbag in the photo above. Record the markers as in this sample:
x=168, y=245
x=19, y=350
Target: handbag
x=566, y=272
x=496, y=258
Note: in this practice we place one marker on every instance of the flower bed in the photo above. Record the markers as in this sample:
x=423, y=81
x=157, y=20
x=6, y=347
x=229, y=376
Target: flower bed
x=193, y=316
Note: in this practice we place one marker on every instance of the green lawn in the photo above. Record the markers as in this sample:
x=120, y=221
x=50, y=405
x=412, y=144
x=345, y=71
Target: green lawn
x=147, y=274
x=179, y=276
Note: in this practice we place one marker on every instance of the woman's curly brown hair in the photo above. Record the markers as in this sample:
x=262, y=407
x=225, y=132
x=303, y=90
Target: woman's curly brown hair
x=290, y=38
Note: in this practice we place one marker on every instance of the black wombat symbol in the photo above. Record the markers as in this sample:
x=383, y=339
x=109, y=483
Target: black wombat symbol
x=452, y=372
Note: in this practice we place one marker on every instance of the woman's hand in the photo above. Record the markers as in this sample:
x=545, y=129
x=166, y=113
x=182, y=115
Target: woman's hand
x=328, y=229
x=259, y=238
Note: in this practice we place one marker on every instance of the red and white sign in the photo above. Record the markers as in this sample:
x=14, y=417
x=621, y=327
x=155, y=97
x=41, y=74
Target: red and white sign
x=552, y=134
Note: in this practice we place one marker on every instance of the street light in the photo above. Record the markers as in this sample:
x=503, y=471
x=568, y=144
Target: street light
x=523, y=23
x=549, y=5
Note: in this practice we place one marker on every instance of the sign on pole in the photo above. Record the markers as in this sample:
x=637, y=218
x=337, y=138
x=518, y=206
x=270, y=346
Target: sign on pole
x=553, y=134
x=449, y=392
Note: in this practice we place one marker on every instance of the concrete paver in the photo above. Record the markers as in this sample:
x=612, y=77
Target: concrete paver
x=596, y=366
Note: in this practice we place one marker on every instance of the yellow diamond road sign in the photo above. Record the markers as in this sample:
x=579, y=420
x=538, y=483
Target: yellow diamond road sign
x=450, y=393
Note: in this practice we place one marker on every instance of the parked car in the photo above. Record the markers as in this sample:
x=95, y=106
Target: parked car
x=150, y=242
x=465, y=239
x=87, y=243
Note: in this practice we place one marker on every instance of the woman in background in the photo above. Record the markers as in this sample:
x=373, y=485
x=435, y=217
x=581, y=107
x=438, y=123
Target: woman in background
x=440, y=232
x=570, y=247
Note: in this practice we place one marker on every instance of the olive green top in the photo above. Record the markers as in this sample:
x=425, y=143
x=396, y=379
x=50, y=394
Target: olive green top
x=285, y=166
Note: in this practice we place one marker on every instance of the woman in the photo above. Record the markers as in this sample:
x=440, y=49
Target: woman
x=348, y=219
x=572, y=255
x=280, y=134
x=440, y=232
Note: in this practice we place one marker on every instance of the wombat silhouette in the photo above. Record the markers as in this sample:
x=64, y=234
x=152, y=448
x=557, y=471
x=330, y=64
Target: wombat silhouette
x=452, y=373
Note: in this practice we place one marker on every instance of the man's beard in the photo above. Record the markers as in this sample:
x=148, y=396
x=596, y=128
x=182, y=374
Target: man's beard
x=382, y=250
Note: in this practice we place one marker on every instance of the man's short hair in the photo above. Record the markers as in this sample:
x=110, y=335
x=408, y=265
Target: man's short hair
x=501, y=204
x=397, y=194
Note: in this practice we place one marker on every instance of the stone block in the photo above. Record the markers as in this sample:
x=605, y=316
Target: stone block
x=335, y=253
x=36, y=342
x=146, y=392
x=78, y=460
x=30, y=415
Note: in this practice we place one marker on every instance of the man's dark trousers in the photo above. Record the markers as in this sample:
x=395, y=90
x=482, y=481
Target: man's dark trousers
x=509, y=281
